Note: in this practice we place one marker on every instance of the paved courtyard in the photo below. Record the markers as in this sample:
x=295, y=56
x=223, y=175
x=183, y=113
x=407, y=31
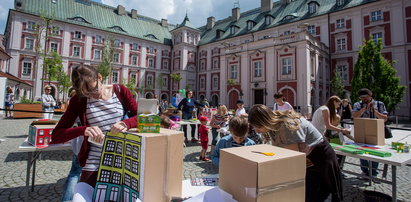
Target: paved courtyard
x=53, y=168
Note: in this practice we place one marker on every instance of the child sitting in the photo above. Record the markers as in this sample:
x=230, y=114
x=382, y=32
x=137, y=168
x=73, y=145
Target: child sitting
x=203, y=133
x=239, y=129
x=166, y=122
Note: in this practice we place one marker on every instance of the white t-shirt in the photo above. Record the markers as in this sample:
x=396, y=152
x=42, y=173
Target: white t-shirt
x=239, y=111
x=318, y=119
x=285, y=106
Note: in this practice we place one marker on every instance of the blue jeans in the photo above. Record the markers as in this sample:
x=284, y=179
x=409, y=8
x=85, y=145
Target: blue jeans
x=72, y=180
x=215, y=135
x=365, y=165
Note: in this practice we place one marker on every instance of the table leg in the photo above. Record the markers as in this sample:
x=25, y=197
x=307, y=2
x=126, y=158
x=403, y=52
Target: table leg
x=384, y=172
x=370, y=171
x=34, y=172
x=29, y=159
x=394, y=182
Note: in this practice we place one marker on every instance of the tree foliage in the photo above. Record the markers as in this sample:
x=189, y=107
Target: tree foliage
x=374, y=72
x=337, y=85
x=52, y=65
x=131, y=85
x=104, y=68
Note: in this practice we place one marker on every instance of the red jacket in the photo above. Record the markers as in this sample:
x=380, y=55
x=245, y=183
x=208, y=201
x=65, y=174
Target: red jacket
x=64, y=130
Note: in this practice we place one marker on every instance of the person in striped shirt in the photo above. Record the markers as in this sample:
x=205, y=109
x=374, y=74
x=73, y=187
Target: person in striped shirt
x=239, y=129
x=100, y=109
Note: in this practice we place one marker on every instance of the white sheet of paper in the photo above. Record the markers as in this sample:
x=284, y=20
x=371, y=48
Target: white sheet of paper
x=147, y=106
x=213, y=195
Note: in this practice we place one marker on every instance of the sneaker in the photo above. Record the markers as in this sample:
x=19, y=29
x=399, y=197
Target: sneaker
x=206, y=159
x=194, y=140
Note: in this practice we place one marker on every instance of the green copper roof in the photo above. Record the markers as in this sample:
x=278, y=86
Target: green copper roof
x=282, y=14
x=99, y=16
x=186, y=23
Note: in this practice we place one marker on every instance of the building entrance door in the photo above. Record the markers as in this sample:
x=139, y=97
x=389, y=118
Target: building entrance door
x=259, y=96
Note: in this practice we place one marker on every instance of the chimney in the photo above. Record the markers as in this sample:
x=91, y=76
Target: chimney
x=235, y=14
x=121, y=10
x=266, y=5
x=210, y=22
x=164, y=23
x=134, y=13
x=18, y=4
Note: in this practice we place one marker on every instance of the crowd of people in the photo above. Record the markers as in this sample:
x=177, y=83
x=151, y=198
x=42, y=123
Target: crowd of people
x=95, y=108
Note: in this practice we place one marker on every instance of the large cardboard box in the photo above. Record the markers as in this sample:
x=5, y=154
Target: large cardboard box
x=369, y=131
x=148, y=166
x=149, y=123
x=40, y=132
x=250, y=176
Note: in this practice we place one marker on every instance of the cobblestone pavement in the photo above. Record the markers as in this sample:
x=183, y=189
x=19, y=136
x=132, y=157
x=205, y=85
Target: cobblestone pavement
x=53, y=168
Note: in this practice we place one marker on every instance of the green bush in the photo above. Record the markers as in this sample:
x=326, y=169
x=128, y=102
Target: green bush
x=25, y=100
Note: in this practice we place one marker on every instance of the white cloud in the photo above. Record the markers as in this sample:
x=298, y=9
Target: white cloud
x=5, y=5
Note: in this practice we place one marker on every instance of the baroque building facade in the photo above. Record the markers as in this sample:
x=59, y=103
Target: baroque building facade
x=288, y=46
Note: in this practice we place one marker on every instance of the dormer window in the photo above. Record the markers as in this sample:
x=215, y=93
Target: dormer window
x=79, y=19
x=250, y=25
x=340, y=2
x=219, y=33
x=312, y=7
x=151, y=36
x=268, y=19
x=288, y=17
x=117, y=28
x=233, y=29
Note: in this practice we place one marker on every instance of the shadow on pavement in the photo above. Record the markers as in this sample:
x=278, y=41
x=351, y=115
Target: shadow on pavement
x=45, y=155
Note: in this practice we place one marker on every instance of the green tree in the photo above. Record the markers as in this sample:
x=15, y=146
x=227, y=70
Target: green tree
x=131, y=85
x=104, y=68
x=374, y=72
x=337, y=85
x=52, y=65
x=63, y=83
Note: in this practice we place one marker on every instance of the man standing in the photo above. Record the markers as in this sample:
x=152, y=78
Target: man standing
x=369, y=108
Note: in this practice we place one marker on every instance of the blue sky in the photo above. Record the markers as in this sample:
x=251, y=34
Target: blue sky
x=173, y=10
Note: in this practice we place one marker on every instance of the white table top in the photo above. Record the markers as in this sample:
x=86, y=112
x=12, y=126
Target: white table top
x=27, y=147
x=397, y=159
x=185, y=122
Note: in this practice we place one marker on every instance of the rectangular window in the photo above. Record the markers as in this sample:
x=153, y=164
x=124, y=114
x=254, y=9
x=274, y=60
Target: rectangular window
x=286, y=67
x=98, y=39
x=134, y=46
x=29, y=43
x=53, y=46
x=133, y=77
x=97, y=54
x=215, y=82
x=165, y=82
x=150, y=62
x=202, y=65
x=267, y=20
x=215, y=64
x=116, y=57
x=150, y=49
x=134, y=60
x=233, y=72
x=114, y=77
x=340, y=2
x=343, y=71
x=26, y=69
x=287, y=32
x=77, y=35
x=165, y=64
x=117, y=43
x=340, y=23
x=76, y=51
x=312, y=7
x=31, y=26
x=55, y=31
x=341, y=44
x=250, y=25
x=202, y=83
x=376, y=15
x=376, y=37
x=311, y=29
x=257, y=69
x=150, y=81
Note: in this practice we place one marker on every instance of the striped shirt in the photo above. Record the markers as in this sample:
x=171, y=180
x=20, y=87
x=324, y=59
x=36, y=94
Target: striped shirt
x=104, y=114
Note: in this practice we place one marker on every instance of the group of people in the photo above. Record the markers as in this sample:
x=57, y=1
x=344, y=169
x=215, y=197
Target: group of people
x=99, y=108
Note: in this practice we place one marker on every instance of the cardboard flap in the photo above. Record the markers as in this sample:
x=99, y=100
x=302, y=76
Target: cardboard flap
x=44, y=122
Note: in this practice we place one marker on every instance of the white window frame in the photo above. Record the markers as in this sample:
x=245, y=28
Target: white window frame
x=268, y=20
x=340, y=23
x=150, y=81
x=312, y=7
x=340, y=2
x=165, y=64
x=151, y=50
x=76, y=53
x=55, y=30
x=116, y=57
x=215, y=63
x=27, y=68
x=375, y=37
x=233, y=29
x=28, y=44
x=114, y=76
x=98, y=39
x=31, y=25
x=150, y=62
x=56, y=46
x=311, y=29
x=341, y=44
x=202, y=83
x=134, y=59
x=77, y=35
x=257, y=69
x=117, y=43
x=286, y=66
x=234, y=71
x=215, y=82
x=95, y=54
x=134, y=46
x=376, y=16
x=164, y=83
x=342, y=69
x=250, y=25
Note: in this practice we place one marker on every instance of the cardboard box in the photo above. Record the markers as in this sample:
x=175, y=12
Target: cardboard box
x=40, y=132
x=369, y=131
x=149, y=123
x=250, y=176
x=148, y=166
